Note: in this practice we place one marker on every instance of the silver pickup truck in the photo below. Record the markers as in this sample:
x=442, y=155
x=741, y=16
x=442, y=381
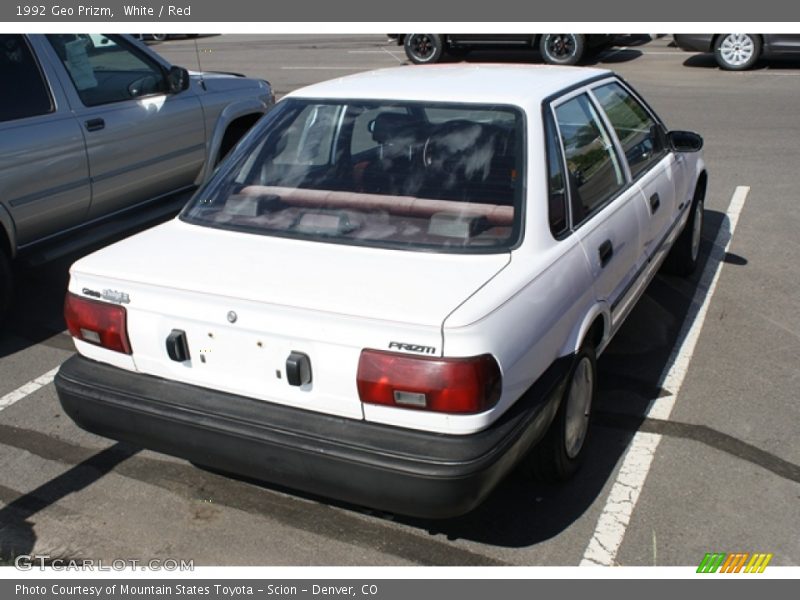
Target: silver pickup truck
x=97, y=130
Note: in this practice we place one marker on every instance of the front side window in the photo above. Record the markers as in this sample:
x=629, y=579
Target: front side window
x=642, y=139
x=104, y=70
x=25, y=92
x=395, y=174
x=594, y=170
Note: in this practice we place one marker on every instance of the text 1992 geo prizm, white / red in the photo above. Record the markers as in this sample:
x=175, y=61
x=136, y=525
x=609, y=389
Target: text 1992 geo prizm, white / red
x=396, y=287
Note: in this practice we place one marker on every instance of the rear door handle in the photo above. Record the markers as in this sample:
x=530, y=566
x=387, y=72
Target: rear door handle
x=95, y=124
x=605, y=252
x=655, y=202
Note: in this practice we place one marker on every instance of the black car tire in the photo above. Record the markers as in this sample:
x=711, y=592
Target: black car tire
x=562, y=48
x=683, y=257
x=560, y=453
x=737, y=51
x=6, y=285
x=424, y=48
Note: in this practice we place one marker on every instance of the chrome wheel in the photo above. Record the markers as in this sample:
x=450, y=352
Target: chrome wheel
x=737, y=50
x=579, y=405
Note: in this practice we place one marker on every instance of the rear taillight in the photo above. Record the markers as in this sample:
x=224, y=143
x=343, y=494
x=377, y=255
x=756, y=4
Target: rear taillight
x=98, y=323
x=449, y=385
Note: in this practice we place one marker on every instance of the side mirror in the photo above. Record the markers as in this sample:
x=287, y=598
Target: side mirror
x=685, y=141
x=177, y=80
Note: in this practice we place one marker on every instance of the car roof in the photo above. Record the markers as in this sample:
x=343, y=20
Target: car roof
x=463, y=82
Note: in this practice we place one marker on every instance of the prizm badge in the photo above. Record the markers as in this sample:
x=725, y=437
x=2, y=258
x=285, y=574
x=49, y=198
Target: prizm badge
x=413, y=347
x=117, y=297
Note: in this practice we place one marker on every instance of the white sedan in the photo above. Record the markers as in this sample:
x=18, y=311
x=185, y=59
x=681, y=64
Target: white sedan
x=396, y=287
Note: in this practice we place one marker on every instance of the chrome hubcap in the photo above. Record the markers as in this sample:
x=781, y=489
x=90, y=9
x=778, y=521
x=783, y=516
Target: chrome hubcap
x=579, y=404
x=697, y=230
x=737, y=48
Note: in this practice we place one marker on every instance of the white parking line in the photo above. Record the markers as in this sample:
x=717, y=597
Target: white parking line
x=616, y=515
x=27, y=389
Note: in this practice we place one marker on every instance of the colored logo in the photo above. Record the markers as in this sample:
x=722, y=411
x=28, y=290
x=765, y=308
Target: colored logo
x=741, y=562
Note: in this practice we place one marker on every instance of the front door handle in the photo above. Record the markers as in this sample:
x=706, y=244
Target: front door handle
x=655, y=202
x=605, y=252
x=95, y=124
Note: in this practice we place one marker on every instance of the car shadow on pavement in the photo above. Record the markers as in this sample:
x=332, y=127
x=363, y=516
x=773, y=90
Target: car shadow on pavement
x=701, y=61
x=707, y=61
x=17, y=536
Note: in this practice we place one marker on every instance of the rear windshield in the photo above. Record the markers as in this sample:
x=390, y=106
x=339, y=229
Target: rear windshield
x=403, y=175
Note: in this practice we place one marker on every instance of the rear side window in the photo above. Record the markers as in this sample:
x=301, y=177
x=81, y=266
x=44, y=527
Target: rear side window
x=593, y=168
x=25, y=91
x=642, y=139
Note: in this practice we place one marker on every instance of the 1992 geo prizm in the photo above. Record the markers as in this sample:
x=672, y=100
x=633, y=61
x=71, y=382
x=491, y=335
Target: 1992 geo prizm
x=395, y=289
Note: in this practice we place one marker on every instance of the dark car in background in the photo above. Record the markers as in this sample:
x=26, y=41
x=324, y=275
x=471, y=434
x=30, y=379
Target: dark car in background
x=555, y=48
x=740, y=51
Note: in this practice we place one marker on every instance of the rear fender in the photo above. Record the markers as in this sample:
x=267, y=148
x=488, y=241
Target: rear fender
x=581, y=330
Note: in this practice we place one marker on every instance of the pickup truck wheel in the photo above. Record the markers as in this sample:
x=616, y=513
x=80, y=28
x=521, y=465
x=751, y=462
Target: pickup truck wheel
x=6, y=285
x=683, y=258
x=559, y=455
x=424, y=48
x=562, y=48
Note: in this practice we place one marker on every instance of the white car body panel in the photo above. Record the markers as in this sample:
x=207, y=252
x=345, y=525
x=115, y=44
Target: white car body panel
x=526, y=307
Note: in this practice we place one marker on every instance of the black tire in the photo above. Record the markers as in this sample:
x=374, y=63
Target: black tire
x=561, y=452
x=158, y=37
x=424, y=48
x=562, y=48
x=683, y=257
x=737, y=51
x=6, y=285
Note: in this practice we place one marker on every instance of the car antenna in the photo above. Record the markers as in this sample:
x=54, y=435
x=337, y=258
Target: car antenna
x=199, y=66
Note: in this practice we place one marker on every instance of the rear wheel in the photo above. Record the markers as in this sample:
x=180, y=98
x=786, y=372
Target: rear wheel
x=737, y=51
x=562, y=48
x=424, y=48
x=559, y=455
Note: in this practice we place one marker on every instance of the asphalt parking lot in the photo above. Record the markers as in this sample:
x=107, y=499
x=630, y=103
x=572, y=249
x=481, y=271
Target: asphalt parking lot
x=695, y=447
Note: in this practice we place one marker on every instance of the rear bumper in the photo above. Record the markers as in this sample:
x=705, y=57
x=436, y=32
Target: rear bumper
x=388, y=468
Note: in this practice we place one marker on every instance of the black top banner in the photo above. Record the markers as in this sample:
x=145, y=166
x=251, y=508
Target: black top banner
x=365, y=11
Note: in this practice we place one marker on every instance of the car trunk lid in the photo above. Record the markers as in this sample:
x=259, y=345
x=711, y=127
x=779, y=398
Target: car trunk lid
x=245, y=303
